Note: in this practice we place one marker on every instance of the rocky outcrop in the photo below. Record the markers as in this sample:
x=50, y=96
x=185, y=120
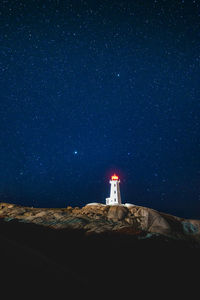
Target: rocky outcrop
x=97, y=250
x=117, y=213
x=98, y=218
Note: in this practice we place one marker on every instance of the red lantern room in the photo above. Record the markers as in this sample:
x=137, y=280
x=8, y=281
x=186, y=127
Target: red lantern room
x=114, y=177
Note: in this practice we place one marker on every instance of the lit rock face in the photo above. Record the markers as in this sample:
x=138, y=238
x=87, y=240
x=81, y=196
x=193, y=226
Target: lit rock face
x=117, y=213
x=79, y=251
x=98, y=218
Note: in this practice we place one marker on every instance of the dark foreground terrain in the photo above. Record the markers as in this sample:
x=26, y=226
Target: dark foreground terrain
x=68, y=263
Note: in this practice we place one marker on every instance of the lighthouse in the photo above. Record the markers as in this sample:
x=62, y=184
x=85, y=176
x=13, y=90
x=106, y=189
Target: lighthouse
x=115, y=197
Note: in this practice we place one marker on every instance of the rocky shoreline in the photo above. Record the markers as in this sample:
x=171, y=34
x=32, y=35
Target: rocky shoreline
x=99, y=218
x=97, y=251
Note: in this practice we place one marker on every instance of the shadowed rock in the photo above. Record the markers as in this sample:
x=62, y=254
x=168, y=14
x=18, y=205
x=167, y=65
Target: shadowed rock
x=97, y=250
x=101, y=218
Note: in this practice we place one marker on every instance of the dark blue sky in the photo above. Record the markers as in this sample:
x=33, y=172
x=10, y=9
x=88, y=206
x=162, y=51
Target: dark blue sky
x=89, y=88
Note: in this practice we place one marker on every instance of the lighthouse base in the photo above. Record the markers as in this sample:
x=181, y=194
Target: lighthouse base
x=110, y=201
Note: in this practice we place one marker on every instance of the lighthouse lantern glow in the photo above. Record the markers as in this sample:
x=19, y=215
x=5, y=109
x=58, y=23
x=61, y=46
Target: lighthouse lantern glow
x=114, y=177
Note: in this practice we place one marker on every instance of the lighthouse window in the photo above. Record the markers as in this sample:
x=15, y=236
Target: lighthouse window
x=114, y=184
x=114, y=192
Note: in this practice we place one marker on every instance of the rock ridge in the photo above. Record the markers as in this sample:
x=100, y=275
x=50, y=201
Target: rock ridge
x=99, y=218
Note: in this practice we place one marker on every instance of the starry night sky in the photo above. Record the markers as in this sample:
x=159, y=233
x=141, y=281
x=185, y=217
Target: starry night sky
x=89, y=88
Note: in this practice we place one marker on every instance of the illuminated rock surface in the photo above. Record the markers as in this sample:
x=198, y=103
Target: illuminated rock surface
x=95, y=218
x=112, y=249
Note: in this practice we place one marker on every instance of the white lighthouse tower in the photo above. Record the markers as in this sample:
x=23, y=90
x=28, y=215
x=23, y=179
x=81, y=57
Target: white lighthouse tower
x=115, y=197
